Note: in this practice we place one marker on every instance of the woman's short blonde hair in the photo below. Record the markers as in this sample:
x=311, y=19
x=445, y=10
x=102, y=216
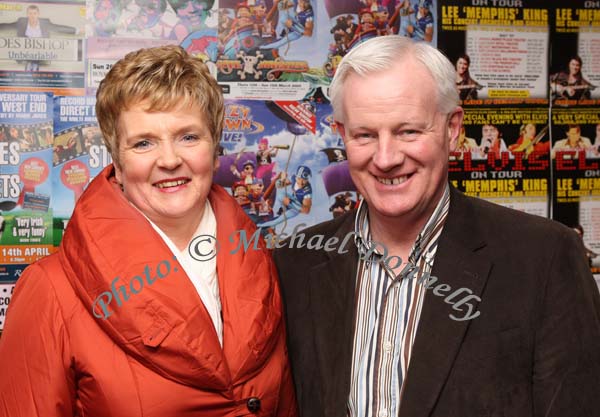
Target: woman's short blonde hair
x=163, y=78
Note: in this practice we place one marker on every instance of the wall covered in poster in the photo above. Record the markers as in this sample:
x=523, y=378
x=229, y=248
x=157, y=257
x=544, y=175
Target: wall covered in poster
x=527, y=71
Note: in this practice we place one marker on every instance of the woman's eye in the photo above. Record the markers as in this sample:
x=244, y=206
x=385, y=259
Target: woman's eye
x=141, y=144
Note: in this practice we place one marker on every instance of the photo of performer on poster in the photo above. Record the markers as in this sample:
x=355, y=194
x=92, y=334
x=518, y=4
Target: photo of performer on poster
x=570, y=84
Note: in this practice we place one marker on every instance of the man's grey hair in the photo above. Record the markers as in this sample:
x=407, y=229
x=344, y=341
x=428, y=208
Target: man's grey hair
x=382, y=53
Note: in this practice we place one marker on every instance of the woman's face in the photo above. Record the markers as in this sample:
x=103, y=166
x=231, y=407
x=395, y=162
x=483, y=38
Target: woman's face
x=462, y=66
x=574, y=67
x=166, y=162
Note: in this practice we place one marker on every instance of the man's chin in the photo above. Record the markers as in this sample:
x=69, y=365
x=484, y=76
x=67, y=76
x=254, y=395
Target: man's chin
x=388, y=210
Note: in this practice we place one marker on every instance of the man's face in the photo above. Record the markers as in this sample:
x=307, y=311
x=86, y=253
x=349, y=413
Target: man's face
x=574, y=67
x=397, y=143
x=33, y=16
x=573, y=134
x=529, y=131
x=489, y=132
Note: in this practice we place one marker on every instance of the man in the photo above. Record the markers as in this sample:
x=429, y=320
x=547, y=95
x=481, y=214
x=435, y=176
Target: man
x=34, y=27
x=573, y=143
x=491, y=141
x=489, y=312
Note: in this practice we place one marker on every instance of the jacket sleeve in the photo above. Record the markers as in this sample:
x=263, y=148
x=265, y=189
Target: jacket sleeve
x=54, y=27
x=36, y=379
x=567, y=340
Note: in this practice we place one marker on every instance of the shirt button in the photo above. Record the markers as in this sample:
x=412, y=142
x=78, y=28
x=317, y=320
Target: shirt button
x=387, y=346
x=253, y=404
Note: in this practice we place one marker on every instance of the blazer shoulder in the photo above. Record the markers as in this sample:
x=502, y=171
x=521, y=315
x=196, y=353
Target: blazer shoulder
x=296, y=243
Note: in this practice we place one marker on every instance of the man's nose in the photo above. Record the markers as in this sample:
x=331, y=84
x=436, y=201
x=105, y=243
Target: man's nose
x=389, y=153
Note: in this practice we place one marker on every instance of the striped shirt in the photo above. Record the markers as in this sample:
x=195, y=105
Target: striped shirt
x=387, y=311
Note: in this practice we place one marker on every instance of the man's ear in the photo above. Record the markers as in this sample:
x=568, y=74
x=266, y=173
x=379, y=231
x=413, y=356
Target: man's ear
x=455, y=120
x=340, y=127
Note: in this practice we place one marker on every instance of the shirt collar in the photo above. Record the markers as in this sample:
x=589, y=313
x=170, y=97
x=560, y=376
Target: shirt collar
x=362, y=233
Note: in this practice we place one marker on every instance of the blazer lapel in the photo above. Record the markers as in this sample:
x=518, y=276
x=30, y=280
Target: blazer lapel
x=331, y=289
x=438, y=340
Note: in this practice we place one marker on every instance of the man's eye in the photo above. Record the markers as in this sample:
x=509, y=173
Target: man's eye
x=189, y=138
x=408, y=133
x=364, y=136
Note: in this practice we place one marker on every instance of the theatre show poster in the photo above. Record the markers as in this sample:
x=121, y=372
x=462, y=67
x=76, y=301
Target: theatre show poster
x=576, y=162
x=503, y=155
x=287, y=50
x=500, y=50
x=25, y=185
x=79, y=155
x=41, y=47
x=575, y=65
x=115, y=28
x=284, y=163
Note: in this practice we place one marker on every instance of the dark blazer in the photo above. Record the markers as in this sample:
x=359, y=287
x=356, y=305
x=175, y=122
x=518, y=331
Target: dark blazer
x=46, y=26
x=533, y=351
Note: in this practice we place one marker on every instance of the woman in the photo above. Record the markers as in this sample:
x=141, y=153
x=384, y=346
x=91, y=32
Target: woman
x=467, y=86
x=135, y=315
x=571, y=84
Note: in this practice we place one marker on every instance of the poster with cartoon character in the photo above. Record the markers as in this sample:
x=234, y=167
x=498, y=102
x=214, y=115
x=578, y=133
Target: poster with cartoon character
x=115, y=28
x=284, y=163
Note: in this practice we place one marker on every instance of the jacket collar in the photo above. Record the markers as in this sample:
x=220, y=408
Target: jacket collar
x=461, y=263
x=165, y=325
x=332, y=286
